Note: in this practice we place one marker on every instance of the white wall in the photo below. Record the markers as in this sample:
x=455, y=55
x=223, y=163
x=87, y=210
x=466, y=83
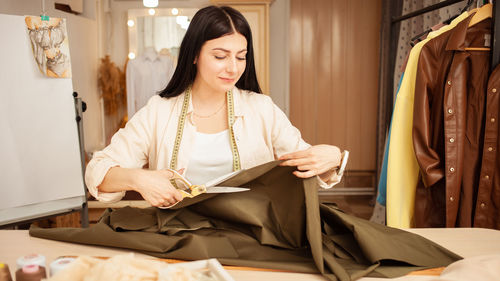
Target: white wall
x=82, y=35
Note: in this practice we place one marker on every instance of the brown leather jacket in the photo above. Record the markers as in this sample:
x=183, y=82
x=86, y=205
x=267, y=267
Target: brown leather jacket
x=455, y=131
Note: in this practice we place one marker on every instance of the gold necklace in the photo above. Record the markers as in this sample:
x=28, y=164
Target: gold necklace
x=210, y=115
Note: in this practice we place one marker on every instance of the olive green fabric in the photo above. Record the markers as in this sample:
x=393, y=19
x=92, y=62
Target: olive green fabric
x=278, y=224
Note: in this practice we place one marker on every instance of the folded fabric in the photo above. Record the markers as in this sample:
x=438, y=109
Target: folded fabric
x=118, y=268
x=278, y=224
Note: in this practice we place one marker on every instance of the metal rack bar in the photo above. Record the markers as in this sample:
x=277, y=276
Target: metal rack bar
x=425, y=10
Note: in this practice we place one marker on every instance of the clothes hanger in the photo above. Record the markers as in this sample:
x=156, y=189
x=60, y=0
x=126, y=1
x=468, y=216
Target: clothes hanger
x=419, y=37
x=481, y=14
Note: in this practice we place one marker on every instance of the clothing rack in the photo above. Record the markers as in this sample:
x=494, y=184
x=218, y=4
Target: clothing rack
x=388, y=46
x=426, y=10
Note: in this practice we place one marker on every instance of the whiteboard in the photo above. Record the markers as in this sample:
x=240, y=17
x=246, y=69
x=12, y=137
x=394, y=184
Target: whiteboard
x=40, y=164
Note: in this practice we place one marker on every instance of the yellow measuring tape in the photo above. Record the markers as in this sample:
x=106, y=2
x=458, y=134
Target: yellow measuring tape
x=182, y=122
x=230, y=121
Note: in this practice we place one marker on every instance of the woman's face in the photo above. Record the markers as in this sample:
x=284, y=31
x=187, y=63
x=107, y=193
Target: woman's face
x=221, y=62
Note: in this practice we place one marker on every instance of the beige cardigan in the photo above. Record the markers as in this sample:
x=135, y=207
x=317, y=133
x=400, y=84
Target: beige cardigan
x=262, y=131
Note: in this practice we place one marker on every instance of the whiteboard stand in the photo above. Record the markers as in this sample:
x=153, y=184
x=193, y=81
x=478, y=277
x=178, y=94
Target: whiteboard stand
x=41, y=168
x=80, y=108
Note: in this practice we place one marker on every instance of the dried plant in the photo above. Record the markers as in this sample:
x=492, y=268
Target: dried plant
x=111, y=81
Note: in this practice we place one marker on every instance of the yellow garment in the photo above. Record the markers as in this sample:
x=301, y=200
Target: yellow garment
x=402, y=168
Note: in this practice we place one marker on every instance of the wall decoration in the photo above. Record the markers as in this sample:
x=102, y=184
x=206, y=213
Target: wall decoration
x=49, y=41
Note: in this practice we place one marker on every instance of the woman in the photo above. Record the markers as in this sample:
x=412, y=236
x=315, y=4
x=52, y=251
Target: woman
x=210, y=120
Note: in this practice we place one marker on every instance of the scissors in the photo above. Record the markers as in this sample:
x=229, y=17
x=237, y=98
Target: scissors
x=191, y=190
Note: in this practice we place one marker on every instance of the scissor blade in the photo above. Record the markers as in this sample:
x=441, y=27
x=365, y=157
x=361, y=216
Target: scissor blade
x=225, y=189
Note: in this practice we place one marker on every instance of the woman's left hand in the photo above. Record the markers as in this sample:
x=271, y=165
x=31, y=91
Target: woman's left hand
x=318, y=160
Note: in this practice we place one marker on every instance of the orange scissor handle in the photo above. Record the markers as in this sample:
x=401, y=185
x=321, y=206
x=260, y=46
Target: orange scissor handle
x=193, y=189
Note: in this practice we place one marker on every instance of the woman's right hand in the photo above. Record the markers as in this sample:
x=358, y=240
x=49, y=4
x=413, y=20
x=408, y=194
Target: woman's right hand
x=155, y=187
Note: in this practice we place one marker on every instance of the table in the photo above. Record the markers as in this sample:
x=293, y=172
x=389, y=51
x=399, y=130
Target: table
x=467, y=242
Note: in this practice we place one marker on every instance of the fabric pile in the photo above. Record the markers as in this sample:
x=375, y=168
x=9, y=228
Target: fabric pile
x=278, y=224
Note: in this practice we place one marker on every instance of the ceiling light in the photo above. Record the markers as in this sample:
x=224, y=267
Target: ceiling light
x=131, y=55
x=181, y=19
x=150, y=3
x=152, y=12
x=130, y=23
x=175, y=11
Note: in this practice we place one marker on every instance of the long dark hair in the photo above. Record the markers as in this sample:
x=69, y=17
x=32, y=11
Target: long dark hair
x=210, y=23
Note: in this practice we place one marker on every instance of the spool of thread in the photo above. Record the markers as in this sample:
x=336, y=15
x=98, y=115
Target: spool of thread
x=31, y=272
x=5, y=272
x=59, y=264
x=31, y=259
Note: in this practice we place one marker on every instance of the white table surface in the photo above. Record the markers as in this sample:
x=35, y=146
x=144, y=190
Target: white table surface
x=467, y=242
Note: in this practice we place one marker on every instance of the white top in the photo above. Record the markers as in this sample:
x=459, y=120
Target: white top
x=211, y=157
x=146, y=76
x=261, y=130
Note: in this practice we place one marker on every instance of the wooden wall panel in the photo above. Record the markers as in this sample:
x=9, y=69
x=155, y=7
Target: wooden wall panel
x=309, y=69
x=370, y=74
x=324, y=70
x=338, y=125
x=355, y=83
x=295, y=61
x=334, y=49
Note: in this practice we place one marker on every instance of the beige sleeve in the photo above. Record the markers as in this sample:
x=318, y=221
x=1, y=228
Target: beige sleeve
x=333, y=180
x=129, y=148
x=287, y=139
